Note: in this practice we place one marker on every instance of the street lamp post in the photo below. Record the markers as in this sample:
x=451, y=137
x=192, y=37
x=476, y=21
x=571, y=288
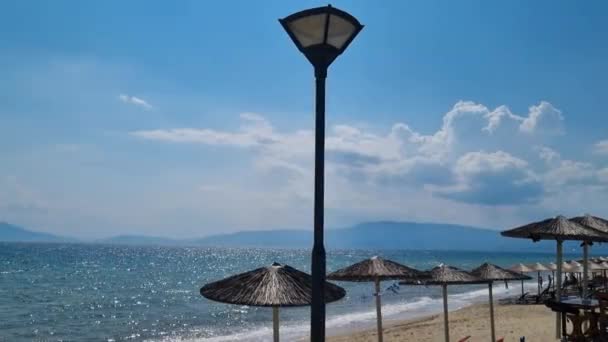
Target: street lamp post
x=321, y=34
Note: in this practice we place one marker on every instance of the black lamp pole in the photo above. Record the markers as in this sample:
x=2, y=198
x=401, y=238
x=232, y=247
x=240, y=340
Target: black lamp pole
x=321, y=34
x=317, y=313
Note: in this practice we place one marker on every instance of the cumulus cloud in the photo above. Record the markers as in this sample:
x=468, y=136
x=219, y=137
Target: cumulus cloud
x=447, y=163
x=601, y=147
x=547, y=154
x=496, y=178
x=134, y=101
x=543, y=117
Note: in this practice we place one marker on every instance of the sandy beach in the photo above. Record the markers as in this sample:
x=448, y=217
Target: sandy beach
x=535, y=322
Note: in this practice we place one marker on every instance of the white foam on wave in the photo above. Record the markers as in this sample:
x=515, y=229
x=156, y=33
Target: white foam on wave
x=363, y=319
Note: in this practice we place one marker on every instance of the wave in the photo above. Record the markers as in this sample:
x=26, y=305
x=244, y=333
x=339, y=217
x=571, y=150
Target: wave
x=365, y=318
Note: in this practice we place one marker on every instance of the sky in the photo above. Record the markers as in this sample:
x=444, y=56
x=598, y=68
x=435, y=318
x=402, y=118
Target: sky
x=190, y=118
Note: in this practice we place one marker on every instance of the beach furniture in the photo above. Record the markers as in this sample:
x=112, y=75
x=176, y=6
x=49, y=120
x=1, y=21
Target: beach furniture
x=444, y=276
x=375, y=270
x=273, y=286
x=602, y=298
x=493, y=273
x=559, y=229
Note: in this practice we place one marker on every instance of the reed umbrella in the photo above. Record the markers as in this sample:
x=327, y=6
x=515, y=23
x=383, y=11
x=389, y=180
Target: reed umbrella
x=274, y=286
x=595, y=223
x=445, y=275
x=538, y=267
x=559, y=229
x=376, y=269
x=521, y=269
x=493, y=273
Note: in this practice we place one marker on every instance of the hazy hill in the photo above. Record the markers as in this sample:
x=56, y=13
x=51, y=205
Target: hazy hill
x=12, y=233
x=139, y=240
x=383, y=235
x=370, y=235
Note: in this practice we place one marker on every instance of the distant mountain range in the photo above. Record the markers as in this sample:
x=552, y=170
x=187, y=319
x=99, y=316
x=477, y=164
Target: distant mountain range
x=12, y=233
x=370, y=235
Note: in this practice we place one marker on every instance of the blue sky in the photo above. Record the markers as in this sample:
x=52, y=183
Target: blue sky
x=191, y=118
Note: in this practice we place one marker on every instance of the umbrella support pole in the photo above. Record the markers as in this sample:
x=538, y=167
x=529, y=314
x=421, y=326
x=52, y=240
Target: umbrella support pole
x=275, y=323
x=445, y=313
x=522, y=288
x=493, y=329
x=585, y=268
x=538, y=281
x=558, y=289
x=378, y=310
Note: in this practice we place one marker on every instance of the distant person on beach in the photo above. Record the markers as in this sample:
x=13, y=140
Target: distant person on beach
x=540, y=281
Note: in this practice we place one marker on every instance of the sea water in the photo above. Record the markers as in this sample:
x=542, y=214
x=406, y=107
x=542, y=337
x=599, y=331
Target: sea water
x=86, y=292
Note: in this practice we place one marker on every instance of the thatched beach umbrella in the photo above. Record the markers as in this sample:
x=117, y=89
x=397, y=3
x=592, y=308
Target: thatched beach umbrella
x=494, y=273
x=559, y=229
x=553, y=267
x=595, y=223
x=274, y=286
x=538, y=267
x=445, y=275
x=521, y=269
x=375, y=270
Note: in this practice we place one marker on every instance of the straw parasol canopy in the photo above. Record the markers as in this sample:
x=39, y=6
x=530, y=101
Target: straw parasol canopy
x=445, y=275
x=595, y=266
x=551, y=266
x=376, y=269
x=450, y=275
x=538, y=267
x=493, y=273
x=274, y=286
x=566, y=267
x=592, y=221
x=521, y=268
x=575, y=263
x=560, y=229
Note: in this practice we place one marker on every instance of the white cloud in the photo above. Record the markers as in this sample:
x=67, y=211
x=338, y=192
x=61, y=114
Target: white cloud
x=601, y=147
x=135, y=101
x=478, y=165
x=543, y=117
x=547, y=154
x=496, y=178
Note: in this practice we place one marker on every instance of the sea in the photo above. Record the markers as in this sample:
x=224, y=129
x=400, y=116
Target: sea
x=88, y=292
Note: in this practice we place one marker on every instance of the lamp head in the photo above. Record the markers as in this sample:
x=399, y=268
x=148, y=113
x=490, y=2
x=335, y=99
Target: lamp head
x=321, y=33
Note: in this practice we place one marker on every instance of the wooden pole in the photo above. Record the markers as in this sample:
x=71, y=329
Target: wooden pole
x=378, y=310
x=445, y=313
x=275, y=323
x=558, y=289
x=585, y=268
x=492, y=312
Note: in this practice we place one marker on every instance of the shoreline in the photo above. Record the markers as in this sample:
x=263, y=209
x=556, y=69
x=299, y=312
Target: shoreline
x=535, y=322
